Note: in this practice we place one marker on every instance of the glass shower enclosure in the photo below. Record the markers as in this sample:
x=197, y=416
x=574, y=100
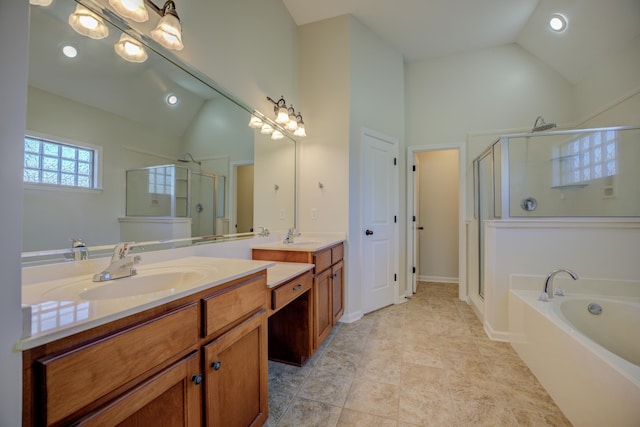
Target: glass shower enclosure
x=581, y=173
x=177, y=192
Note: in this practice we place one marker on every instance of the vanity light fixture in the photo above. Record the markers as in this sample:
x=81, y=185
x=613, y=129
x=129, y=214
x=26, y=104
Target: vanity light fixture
x=266, y=129
x=292, y=124
x=132, y=9
x=255, y=122
x=130, y=49
x=276, y=135
x=88, y=23
x=280, y=109
x=300, y=131
x=168, y=32
x=43, y=3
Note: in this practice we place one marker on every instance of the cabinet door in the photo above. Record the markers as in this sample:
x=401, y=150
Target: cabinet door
x=323, y=316
x=236, y=381
x=337, y=291
x=173, y=397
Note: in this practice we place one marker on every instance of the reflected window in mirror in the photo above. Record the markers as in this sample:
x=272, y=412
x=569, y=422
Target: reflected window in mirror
x=57, y=163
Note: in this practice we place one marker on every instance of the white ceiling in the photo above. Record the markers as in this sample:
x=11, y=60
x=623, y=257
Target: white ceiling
x=425, y=29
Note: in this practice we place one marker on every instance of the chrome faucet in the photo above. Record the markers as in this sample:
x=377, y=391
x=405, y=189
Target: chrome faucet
x=548, y=293
x=79, y=250
x=121, y=264
x=264, y=232
x=291, y=234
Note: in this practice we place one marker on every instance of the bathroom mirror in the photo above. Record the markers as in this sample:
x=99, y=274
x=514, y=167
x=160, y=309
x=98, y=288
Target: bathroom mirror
x=121, y=110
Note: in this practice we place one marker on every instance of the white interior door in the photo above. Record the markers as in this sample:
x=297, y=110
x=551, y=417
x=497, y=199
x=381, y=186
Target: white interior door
x=379, y=220
x=415, y=223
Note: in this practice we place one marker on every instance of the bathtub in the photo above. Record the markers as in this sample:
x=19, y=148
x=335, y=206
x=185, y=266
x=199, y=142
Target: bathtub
x=588, y=363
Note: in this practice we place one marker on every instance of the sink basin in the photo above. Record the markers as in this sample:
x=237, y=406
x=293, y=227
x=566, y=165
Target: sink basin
x=154, y=281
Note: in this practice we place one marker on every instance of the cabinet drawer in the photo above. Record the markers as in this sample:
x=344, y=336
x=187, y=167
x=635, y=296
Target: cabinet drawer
x=224, y=308
x=322, y=260
x=290, y=290
x=74, y=379
x=337, y=253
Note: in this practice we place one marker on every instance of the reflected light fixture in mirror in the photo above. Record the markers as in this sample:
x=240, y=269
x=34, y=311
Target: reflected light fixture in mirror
x=276, y=135
x=87, y=23
x=40, y=2
x=255, y=122
x=266, y=129
x=130, y=49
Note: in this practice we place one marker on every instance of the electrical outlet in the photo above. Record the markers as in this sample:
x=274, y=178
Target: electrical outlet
x=314, y=214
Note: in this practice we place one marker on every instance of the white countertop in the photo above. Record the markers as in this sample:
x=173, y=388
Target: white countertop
x=301, y=244
x=56, y=312
x=283, y=271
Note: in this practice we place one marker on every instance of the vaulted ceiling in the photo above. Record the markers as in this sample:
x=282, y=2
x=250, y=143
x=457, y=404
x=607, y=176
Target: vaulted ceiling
x=425, y=29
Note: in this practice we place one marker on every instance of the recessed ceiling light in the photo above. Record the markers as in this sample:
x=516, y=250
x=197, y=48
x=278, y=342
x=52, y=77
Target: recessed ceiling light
x=558, y=22
x=69, y=51
x=172, y=100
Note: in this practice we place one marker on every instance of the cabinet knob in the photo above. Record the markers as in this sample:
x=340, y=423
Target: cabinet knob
x=297, y=287
x=197, y=379
x=216, y=365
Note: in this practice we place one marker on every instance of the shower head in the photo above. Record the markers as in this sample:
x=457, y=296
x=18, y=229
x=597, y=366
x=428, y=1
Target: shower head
x=188, y=158
x=541, y=125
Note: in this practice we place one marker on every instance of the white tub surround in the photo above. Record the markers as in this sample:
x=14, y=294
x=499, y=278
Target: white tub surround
x=57, y=312
x=591, y=385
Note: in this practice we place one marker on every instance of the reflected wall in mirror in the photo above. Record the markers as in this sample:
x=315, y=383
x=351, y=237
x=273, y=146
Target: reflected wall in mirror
x=100, y=101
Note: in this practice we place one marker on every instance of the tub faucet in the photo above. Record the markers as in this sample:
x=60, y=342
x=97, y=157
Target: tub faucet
x=291, y=234
x=121, y=264
x=548, y=293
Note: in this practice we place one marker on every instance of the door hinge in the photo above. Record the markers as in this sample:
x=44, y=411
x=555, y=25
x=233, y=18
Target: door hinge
x=395, y=277
x=414, y=168
x=414, y=270
x=414, y=218
x=395, y=161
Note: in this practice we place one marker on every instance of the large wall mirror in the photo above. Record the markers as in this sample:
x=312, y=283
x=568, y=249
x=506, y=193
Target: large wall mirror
x=197, y=156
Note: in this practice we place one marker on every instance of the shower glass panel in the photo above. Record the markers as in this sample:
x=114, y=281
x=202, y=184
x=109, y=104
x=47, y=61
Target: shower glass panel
x=484, y=175
x=158, y=191
x=581, y=173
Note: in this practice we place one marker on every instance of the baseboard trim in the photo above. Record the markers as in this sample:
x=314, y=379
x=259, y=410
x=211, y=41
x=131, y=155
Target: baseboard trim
x=494, y=335
x=438, y=279
x=351, y=317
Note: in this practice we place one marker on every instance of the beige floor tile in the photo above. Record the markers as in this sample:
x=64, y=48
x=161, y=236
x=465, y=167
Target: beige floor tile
x=418, y=407
x=350, y=418
x=374, y=398
x=309, y=413
x=474, y=413
x=425, y=362
x=326, y=387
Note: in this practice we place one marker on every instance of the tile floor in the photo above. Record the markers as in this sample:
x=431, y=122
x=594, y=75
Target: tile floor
x=427, y=362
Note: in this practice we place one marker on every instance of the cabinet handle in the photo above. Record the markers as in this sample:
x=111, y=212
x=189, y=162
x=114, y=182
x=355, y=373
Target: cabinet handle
x=197, y=379
x=216, y=365
x=297, y=287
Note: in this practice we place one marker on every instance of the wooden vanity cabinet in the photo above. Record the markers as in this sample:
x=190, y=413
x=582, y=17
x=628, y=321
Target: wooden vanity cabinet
x=328, y=284
x=156, y=367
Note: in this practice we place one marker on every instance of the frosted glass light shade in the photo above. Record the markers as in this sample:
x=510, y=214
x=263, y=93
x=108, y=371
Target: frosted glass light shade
x=168, y=32
x=266, y=129
x=87, y=23
x=40, y=2
x=255, y=122
x=282, y=116
x=277, y=135
x=300, y=131
x=132, y=9
x=130, y=49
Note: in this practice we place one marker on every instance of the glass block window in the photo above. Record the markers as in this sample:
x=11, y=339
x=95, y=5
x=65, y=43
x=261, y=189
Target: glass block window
x=587, y=158
x=55, y=163
x=161, y=180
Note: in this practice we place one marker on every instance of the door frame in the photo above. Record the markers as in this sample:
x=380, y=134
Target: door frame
x=462, y=209
x=396, y=178
x=233, y=196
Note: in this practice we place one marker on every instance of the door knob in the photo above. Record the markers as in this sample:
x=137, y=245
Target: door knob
x=420, y=228
x=368, y=232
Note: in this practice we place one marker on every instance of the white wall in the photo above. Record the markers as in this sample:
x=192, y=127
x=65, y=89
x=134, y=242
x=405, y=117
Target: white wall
x=438, y=214
x=14, y=33
x=349, y=80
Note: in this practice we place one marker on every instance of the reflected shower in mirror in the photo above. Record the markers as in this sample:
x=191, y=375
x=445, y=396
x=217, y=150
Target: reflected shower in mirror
x=130, y=116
